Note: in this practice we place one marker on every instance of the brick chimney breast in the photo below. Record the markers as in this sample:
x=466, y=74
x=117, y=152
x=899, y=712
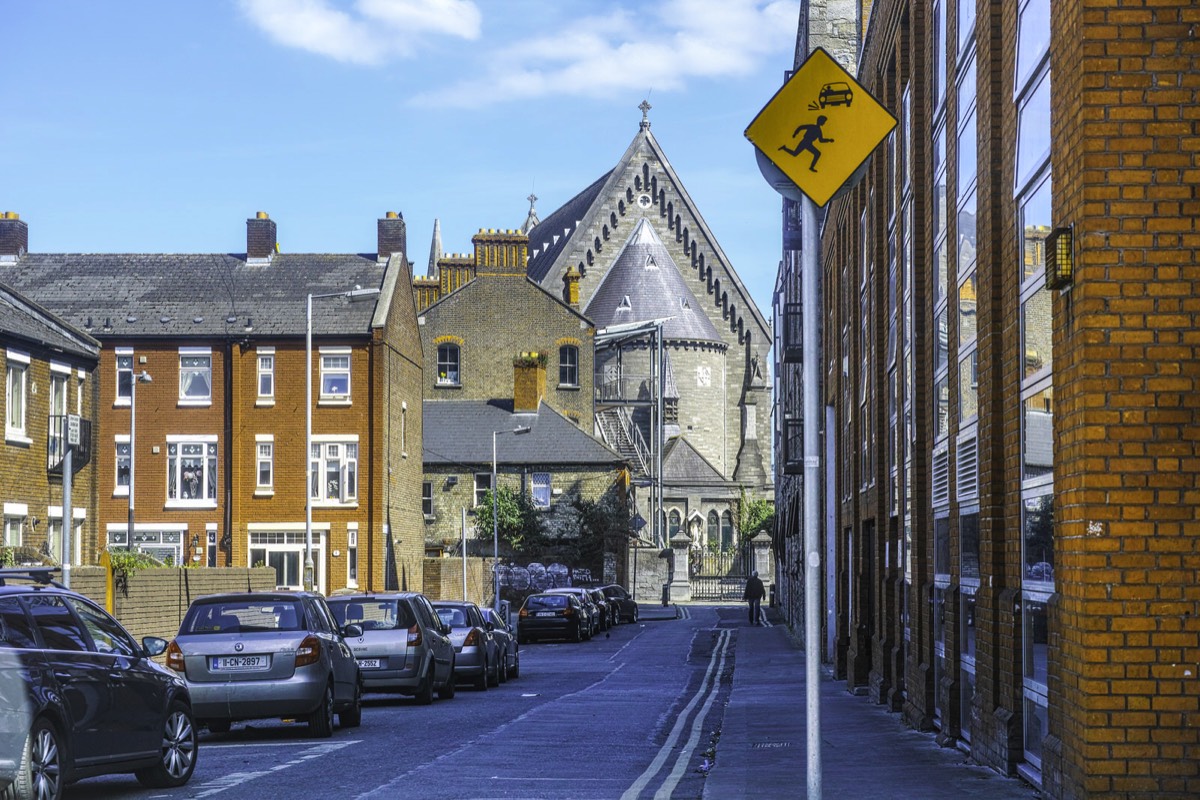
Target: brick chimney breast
x=529, y=381
x=261, y=238
x=393, y=237
x=14, y=237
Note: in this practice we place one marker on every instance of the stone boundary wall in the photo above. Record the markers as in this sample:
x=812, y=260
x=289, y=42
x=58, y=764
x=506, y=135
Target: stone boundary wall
x=444, y=579
x=649, y=570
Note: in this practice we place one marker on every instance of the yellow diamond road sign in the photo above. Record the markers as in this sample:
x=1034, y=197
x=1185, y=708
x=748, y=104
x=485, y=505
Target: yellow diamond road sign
x=820, y=127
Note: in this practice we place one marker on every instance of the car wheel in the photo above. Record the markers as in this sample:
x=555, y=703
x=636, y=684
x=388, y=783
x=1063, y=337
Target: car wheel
x=352, y=716
x=481, y=682
x=424, y=695
x=447, y=690
x=218, y=725
x=40, y=774
x=494, y=677
x=635, y=615
x=177, y=756
x=515, y=672
x=577, y=635
x=502, y=668
x=320, y=723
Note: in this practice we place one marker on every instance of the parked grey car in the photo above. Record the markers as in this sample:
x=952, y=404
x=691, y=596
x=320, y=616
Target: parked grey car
x=405, y=647
x=269, y=654
x=476, y=656
x=510, y=649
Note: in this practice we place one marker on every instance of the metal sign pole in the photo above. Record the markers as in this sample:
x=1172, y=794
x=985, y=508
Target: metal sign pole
x=810, y=297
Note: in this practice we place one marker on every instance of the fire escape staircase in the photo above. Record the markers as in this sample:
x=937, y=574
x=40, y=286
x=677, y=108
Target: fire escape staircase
x=619, y=432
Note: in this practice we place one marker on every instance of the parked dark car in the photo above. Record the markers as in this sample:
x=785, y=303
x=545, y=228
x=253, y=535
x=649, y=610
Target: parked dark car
x=268, y=654
x=590, y=608
x=627, y=607
x=79, y=697
x=404, y=647
x=608, y=611
x=506, y=639
x=476, y=655
x=551, y=616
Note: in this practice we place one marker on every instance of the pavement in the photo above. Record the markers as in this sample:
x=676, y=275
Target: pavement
x=867, y=753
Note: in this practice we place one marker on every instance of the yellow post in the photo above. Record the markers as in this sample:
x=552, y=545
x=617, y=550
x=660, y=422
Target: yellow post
x=106, y=562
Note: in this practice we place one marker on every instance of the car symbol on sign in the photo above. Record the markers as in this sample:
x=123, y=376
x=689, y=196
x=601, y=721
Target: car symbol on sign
x=835, y=94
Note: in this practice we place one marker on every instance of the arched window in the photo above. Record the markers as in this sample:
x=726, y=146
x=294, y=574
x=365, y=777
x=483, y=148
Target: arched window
x=447, y=365
x=568, y=365
x=726, y=531
x=673, y=523
x=714, y=530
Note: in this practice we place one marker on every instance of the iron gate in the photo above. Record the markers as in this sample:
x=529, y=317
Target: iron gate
x=719, y=574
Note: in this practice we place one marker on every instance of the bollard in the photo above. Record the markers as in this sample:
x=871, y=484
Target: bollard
x=666, y=595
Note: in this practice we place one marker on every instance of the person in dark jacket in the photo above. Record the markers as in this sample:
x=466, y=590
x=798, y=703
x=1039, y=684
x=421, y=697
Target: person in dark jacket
x=754, y=594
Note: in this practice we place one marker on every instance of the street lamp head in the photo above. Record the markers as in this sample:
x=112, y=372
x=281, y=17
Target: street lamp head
x=145, y=377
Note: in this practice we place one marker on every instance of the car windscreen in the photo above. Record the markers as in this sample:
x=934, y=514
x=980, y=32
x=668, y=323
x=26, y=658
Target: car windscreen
x=453, y=616
x=546, y=602
x=372, y=615
x=243, y=616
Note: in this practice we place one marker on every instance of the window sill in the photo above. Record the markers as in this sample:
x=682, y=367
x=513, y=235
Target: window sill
x=333, y=401
x=264, y=492
x=265, y=402
x=121, y=402
x=17, y=437
x=121, y=491
x=190, y=504
x=568, y=387
x=334, y=504
x=194, y=402
x=430, y=518
x=447, y=386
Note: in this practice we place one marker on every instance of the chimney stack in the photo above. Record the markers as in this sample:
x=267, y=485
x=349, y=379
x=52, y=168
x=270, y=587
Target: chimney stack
x=529, y=381
x=392, y=236
x=14, y=237
x=261, y=240
x=500, y=252
x=571, y=287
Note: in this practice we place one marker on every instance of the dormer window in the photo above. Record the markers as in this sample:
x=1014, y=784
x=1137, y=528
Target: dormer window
x=625, y=304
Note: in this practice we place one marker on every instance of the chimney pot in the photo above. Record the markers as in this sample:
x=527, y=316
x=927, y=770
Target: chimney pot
x=392, y=236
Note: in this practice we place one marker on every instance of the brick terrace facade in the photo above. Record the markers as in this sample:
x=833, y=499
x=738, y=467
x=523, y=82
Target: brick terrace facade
x=1016, y=475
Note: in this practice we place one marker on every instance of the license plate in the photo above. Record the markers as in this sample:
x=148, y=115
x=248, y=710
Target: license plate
x=547, y=614
x=240, y=663
x=368, y=663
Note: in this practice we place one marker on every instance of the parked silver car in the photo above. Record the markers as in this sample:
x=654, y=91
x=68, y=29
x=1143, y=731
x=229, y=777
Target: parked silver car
x=476, y=656
x=269, y=654
x=405, y=647
x=510, y=649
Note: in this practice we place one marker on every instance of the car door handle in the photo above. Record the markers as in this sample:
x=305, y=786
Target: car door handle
x=64, y=677
x=119, y=677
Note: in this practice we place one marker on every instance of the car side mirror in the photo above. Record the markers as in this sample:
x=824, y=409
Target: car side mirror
x=154, y=646
x=445, y=629
x=352, y=631
x=490, y=626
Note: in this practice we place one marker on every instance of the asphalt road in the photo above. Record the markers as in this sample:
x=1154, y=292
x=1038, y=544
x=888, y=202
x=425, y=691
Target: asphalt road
x=630, y=716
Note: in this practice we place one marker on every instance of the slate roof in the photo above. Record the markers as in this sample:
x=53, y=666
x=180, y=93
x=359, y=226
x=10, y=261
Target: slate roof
x=561, y=224
x=459, y=432
x=683, y=465
x=644, y=284
x=153, y=295
x=23, y=320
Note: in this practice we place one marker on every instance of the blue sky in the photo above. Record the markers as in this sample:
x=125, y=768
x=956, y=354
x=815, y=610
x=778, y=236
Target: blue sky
x=132, y=126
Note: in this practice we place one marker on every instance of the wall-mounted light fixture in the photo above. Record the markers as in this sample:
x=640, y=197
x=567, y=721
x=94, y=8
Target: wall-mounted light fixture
x=1060, y=258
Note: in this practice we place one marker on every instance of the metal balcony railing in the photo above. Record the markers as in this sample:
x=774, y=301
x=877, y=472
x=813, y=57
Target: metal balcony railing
x=793, y=447
x=793, y=333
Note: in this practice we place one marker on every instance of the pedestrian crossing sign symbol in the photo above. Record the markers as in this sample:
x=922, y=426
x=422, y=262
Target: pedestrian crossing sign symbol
x=820, y=127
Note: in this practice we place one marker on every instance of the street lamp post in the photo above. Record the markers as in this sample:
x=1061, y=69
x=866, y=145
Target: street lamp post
x=143, y=377
x=496, y=523
x=357, y=293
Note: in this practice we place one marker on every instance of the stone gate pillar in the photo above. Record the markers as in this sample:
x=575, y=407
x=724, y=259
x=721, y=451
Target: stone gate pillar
x=680, y=588
x=760, y=558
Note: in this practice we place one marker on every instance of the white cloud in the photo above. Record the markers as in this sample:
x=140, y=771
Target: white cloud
x=658, y=46
x=368, y=32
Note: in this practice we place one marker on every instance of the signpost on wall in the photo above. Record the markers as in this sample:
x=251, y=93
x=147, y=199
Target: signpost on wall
x=813, y=136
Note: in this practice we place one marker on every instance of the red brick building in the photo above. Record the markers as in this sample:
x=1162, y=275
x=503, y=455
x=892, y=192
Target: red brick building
x=200, y=442
x=1010, y=341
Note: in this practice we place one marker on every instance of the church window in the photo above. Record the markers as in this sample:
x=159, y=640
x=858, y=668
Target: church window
x=673, y=522
x=714, y=530
x=726, y=531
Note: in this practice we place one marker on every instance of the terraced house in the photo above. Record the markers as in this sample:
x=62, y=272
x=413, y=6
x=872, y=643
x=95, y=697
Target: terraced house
x=201, y=428
x=1008, y=366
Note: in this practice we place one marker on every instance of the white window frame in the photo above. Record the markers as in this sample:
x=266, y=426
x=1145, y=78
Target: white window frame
x=288, y=538
x=266, y=374
x=481, y=489
x=12, y=531
x=16, y=397
x=451, y=377
x=123, y=360
x=343, y=450
x=264, y=455
x=427, y=499
x=540, y=482
x=209, y=461
x=331, y=359
x=197, y=370
x=568, y=367
x=121, y=489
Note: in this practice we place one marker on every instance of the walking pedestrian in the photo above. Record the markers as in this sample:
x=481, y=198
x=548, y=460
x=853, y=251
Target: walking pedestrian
x=754, y=594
